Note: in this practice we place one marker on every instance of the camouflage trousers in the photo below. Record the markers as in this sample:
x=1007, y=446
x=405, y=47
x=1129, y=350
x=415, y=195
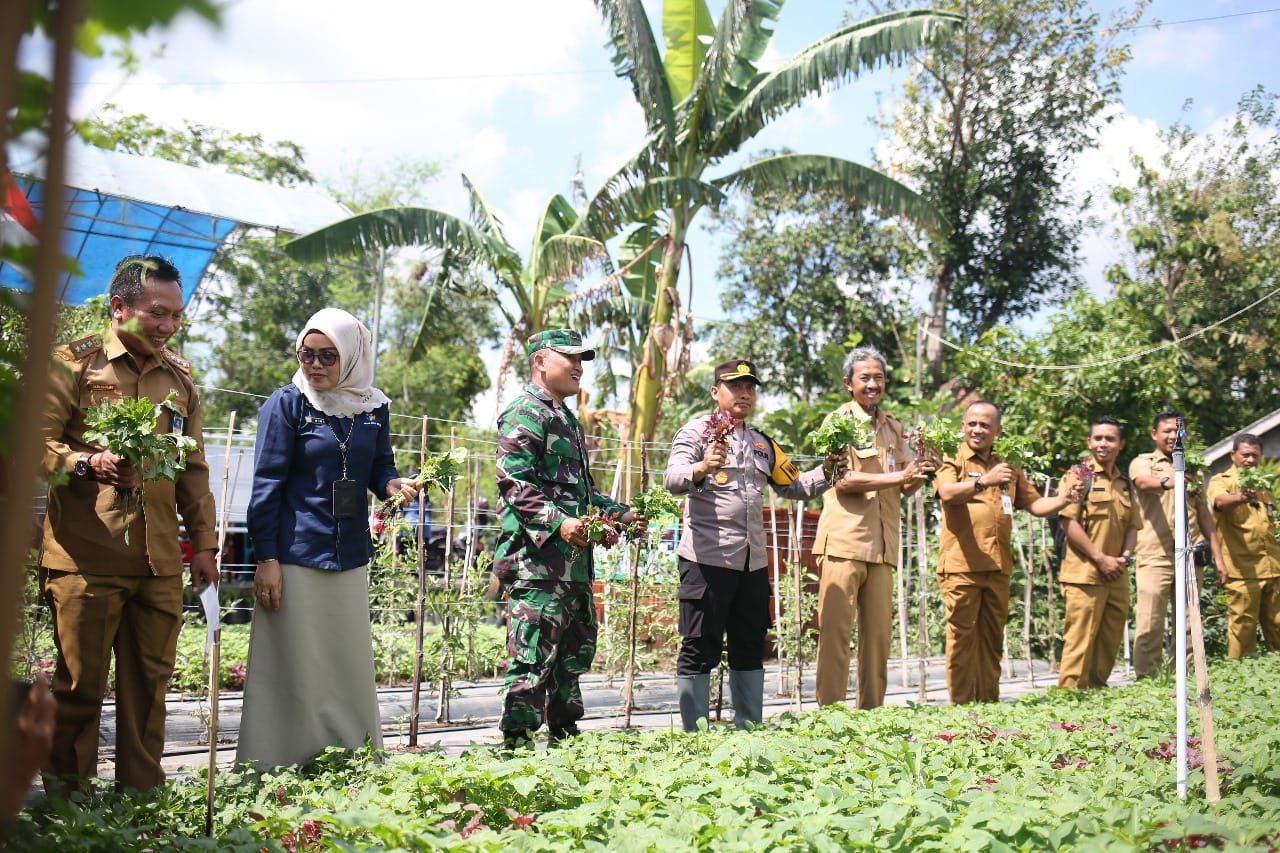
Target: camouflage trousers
x=551, y=641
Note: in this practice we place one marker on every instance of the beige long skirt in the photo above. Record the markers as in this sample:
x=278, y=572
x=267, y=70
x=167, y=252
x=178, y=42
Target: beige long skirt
x=310, y=681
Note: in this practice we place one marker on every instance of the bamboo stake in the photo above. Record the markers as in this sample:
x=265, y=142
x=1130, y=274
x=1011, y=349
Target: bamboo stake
x=1028, y=565
x=628, y=691
x=1208, y=746
x=797, y=548
x=419, y=615
x=922, y=580
x=468, y=561
x=446, y=619
x=777, y=595
x=215, y=655
x=1048, y=582
x=22, y=466
x=904, y=552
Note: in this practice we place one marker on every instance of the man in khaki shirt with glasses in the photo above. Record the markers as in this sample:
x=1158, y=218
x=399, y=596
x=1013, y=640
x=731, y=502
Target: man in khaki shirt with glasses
x=857, y=541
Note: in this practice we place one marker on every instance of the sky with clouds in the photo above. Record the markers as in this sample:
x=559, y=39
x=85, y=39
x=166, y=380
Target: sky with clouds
x=516, y=94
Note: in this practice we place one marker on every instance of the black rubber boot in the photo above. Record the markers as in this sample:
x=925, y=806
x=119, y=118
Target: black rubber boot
x=563, y=733
x=517, y=739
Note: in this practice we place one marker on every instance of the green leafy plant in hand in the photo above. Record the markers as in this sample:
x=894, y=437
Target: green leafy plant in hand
x=1019, y=451
x=941, y=435
x=1264, y=477
x=842, y=431
x=600, y=529
x=440, y=470
x=127, y=428
x=654, y=503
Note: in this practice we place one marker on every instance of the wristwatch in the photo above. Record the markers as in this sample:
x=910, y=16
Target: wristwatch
x=978, y=485
x=1164, y=483
x=83, y=470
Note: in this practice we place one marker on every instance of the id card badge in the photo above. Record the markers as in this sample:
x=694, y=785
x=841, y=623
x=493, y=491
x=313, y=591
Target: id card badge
x=892, y=462
x=348, y=500
x=1006, y=504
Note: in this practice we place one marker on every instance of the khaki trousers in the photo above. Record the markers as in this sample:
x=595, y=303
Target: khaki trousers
x=852, y=591
x=1155, y=592
x=1251, y=603
x=138, y=618
x=1093, y=631
x=977, y=606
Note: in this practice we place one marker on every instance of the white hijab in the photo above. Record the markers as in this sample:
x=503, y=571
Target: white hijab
x=354, y=393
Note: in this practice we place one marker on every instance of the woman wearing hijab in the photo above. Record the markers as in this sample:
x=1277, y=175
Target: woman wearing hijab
x=323, y=441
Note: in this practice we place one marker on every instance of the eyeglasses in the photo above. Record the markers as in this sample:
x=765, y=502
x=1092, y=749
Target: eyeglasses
x=326, y=357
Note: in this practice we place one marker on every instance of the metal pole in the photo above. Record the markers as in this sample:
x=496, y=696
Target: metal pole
x=777, y=594
x=215, y=655
x=446, y=619
x=798, y=549
x=922, y=584
x=1181, y=569
x=419, y=617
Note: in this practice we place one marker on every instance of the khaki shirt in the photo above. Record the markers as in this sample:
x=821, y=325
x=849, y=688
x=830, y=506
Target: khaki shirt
x=1107, y=513
x=1250, y=549
x=1155, y=538
x=724, y=515
x=865, y=525
x=977, y=535
x=84, y=529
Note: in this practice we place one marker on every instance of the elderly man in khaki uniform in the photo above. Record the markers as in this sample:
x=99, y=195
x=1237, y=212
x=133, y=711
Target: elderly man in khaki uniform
x=1152, y=476
x=979, y=492
x=724, y=585
x=107, y=593
x=1251, y=574
x=857, y=542
x=1101, y=531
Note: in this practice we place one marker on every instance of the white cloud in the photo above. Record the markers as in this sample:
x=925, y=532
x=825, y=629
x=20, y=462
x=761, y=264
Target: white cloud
x=1195, y=49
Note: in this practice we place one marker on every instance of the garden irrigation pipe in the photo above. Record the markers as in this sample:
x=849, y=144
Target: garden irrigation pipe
x=215, y=646
x=1181, y=568
x=419, y=617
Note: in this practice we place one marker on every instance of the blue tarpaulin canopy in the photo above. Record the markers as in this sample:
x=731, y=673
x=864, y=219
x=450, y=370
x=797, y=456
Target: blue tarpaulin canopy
x=123, y=204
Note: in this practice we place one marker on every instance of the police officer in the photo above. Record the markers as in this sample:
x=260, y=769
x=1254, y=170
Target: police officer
x=105, y=590
x=1251, y=571
x=857, y=542
x=1101, y=530
x=1152, y=476
x=723, y=585
x=546, y=490
x=979, y=492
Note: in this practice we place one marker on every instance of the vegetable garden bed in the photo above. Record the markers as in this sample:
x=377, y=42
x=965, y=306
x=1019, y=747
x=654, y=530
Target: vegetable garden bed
x=1054, y=770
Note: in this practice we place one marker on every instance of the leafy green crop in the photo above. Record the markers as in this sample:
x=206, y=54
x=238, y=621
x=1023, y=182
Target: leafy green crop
x=1020, y=452
x=842, y=431
x=1055, y=770
x=656, y=503
x=440, y=470
x=1264, y=477
x=942, y=435
x=127, y=428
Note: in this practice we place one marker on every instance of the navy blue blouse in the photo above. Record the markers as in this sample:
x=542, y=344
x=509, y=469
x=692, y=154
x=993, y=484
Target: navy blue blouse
x=296, y=461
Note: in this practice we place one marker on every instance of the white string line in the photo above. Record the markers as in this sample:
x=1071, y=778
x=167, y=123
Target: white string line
x=1133, y=356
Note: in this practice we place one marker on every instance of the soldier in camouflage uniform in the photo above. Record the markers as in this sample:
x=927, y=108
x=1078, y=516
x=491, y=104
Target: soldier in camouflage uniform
x=545, y=486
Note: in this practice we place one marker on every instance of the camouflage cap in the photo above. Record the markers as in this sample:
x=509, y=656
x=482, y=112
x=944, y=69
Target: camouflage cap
x=565, y=341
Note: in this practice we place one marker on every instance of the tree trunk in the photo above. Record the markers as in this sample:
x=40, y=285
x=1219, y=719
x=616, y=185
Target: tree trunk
x=937, y=321
x=648, y=376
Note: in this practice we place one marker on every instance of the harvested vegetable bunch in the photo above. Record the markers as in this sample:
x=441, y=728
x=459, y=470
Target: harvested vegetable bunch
x=1019, y=451
x=127, y=428
x=1084, y=475
x=719, y=426
x=600, y=529
x=1263, y=477
x=653, y=503
x=440, y=470
x=941, y=435
x=841, y=431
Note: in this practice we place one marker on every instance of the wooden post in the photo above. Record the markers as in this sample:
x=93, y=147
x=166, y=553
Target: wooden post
x=1208, y=747
x=922, y=592
x=719, y=688
x=446, y=618
x=419, y=616
x=777, y=595
x=215, y=655
x=797, y=551
x=628, y=694
x=1048, y=582
x=904, y=561
x=1028, y=561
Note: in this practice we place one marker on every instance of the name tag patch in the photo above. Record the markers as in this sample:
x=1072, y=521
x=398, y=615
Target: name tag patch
x=315, y=420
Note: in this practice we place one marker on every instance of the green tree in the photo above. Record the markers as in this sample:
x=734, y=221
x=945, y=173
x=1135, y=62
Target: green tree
x=703, y=101
x=986, y=128
x=804, y=277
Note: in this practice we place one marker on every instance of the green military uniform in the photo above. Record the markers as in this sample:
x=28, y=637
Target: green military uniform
x=543, y=479
x=105, y=592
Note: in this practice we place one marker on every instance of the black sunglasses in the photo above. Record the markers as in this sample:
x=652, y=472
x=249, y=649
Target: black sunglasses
x=326, y=357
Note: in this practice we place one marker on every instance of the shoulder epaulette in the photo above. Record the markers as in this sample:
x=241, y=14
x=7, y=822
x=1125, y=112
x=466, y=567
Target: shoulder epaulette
x=85, y=347
x=177, y=361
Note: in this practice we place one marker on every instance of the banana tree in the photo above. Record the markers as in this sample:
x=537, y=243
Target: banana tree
x=538, y=285
x=703, y=99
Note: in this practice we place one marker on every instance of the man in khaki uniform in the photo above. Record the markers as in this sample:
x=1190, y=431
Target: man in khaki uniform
x=105, y=593
x=1251, y=574
x=857, y=541
x=979, y=492
x=1152, y=477
x=1101, y=531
